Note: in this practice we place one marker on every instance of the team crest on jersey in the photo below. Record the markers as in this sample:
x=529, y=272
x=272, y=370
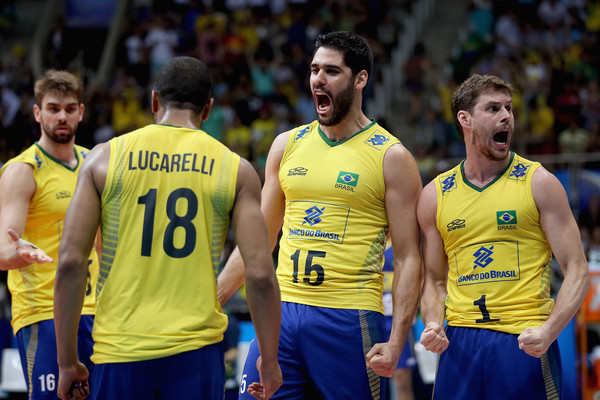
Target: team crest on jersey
x=456, y=224
x=302, y=133
x=448, y=183
x=506, y=219
x=483, y=257
x=317, y=221
x=519, y=172
x=346, y=181
x=313, y=215
x=301, y=171
x=64, y=194
x=377, y=140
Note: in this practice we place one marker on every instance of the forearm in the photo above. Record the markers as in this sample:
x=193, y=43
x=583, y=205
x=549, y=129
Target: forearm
x=569, y=299
x=433, y=301
x=69, y=292
x=405, y=291
x=264, y=302
x=231, y=277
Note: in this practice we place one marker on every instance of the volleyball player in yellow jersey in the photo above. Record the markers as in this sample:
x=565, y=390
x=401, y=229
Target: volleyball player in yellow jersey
x=164, y=195
x=337, y=186
x=490, y=226
x=35, y=190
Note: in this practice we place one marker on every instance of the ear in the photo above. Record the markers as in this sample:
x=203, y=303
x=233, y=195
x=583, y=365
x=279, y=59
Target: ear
x=464, y=118
x=206, y=109
x=361, y=79
x=155, y=102
x=37, y=113
x=81, y=110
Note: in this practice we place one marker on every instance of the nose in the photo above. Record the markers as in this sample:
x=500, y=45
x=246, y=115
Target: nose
x=62, y=115
x=507, y=114
x=319, y=78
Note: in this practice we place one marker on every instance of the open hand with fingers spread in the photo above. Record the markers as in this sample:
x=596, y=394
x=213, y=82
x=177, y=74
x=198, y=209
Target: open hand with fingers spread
x=28, y=251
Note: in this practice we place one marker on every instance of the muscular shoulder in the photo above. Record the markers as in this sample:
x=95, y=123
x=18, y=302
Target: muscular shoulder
x=95, y=165
x=546, y=188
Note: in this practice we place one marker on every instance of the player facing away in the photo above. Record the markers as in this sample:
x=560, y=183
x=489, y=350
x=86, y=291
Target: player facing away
x=164, y=196
x=335, y=188
x=490, y=226
x=36, y=188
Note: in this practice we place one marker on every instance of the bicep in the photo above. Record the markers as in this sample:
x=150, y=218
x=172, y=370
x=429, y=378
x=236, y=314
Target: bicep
x=82, y=218
x=247, y=220
x=434, y=257
x=17, y=187
x=273, y=198
x=556, y=218
x=401, y=195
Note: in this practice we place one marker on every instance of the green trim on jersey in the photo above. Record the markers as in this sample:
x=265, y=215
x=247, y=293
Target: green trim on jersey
x=481, y=189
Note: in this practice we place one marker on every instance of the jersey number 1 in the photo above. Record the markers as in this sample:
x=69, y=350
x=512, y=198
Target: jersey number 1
x=486, y=315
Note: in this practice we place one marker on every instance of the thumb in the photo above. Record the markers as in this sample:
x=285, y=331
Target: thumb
x=373, y=352
x=13, y=235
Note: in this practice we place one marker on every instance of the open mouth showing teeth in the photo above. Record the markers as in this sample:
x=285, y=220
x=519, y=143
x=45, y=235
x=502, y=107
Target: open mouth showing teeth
x=501, y=137
x=323, y=102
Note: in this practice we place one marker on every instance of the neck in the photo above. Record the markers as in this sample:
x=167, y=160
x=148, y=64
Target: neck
x=347, y=127
x=177, y=117
x=63, y=152
x=480, y=170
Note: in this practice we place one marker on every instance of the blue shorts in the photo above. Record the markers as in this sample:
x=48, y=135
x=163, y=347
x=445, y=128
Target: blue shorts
x=322, y=354
x=487, y=364
x=407, y=358
x=196, y=374
x=37, y=350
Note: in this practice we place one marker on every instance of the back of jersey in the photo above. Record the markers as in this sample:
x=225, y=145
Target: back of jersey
x=165, y=214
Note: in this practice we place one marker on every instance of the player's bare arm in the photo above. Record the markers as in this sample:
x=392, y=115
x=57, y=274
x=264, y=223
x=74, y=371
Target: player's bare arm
x=272, y=206
x=436, y=273
x=262, y=288
x=17, y=188
x=79, y=234
x=560, y=228
x=401, y=196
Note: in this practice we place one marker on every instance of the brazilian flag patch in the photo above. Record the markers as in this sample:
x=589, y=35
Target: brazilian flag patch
x=506, y=217
x=347, y=178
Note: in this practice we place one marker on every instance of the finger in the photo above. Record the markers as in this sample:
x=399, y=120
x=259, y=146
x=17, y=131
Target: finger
x=373, y=351
x=13, y=235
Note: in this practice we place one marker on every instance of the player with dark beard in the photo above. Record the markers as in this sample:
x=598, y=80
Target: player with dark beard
x=335, y=188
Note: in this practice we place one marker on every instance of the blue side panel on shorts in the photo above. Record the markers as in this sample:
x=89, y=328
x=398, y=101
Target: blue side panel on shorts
x=37, y=350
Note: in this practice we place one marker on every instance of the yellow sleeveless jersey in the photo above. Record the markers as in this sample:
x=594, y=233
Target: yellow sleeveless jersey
x=333, y=236
x=498, y=257
x=165, y=214
x=32, y=287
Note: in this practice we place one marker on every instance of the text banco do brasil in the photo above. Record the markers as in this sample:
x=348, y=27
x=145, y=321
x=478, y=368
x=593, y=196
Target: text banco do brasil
x=186, y=162
x=487, y=275
x=315, y=234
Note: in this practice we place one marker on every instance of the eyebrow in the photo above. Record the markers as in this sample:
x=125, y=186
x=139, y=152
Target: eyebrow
x=493, y=102
x=58, y=104
x=330, y=66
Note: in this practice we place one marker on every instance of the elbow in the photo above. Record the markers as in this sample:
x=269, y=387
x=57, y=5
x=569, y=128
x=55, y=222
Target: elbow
x=261, y=279
x=586, y=281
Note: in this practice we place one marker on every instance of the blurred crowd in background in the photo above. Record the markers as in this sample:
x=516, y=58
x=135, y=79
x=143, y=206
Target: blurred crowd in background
x=259, y=53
